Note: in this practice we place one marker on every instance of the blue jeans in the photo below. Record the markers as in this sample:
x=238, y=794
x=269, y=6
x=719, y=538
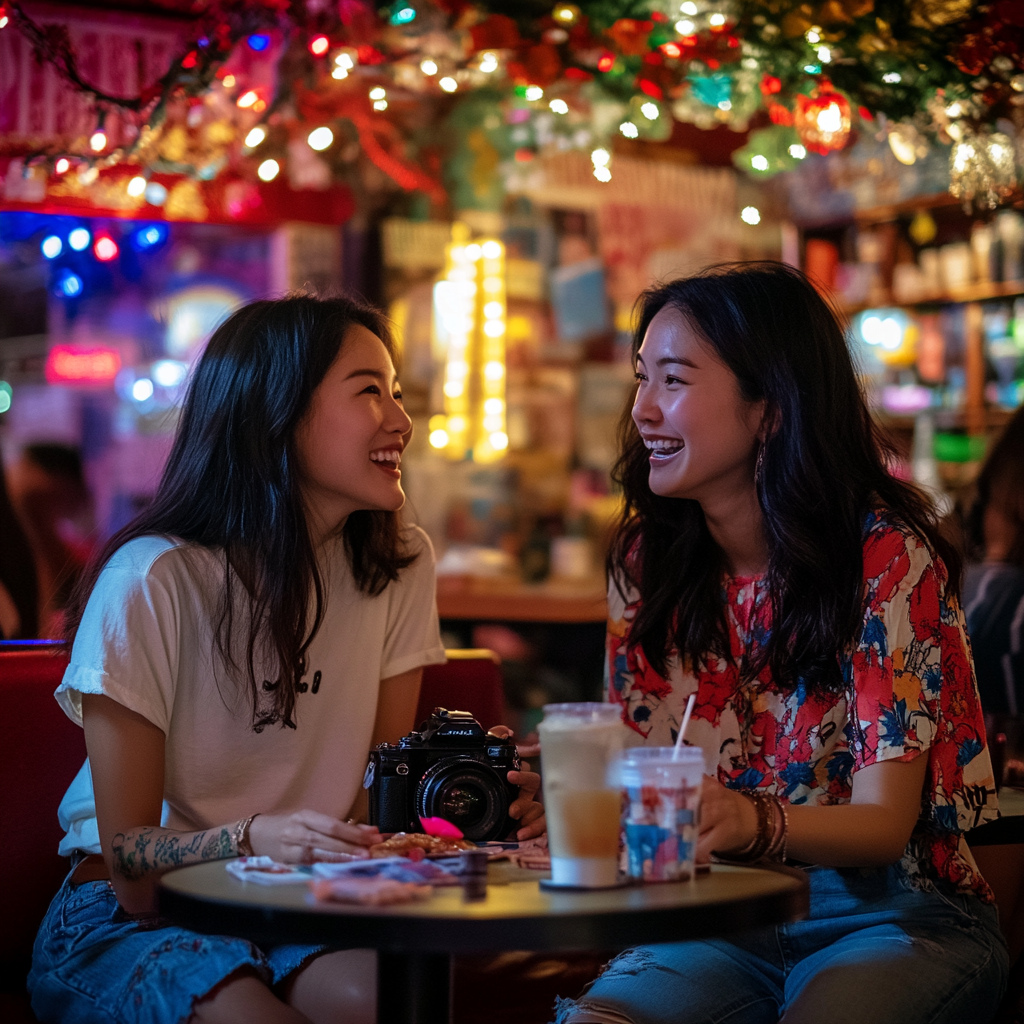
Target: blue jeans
x=93, y=964
x=874, y=950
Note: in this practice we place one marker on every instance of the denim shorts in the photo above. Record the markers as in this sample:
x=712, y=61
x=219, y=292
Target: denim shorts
x=94, y=964
x=874, y=950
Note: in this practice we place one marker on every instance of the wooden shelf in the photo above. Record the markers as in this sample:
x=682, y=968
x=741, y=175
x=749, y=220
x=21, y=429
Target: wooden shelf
x=941, y=200
x=945, y=419
x=507, y=599
x=981, y=292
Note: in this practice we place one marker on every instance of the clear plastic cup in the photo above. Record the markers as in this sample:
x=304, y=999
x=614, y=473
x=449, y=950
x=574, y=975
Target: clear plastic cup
x=660, y=799
x=578, y=745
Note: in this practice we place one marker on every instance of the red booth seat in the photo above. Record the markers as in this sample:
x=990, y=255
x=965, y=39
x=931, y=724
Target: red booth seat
x=470, y=681
x=41, y=755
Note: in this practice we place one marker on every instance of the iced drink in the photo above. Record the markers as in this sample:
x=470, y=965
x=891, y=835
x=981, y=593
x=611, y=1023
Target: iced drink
x=578, y=743
x=660, y=799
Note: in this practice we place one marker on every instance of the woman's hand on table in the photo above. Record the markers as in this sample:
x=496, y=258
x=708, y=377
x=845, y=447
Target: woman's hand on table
x=728, y=820
x=305, y=836
x=525, y=808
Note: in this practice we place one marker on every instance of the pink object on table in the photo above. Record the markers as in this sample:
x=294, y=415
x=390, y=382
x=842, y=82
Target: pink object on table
x=440, y=828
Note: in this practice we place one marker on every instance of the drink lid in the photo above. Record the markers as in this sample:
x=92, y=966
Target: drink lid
x=651, y=766
x=583, y=713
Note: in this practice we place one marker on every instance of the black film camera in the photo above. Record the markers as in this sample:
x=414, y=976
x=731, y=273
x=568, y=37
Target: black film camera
x=449, y=768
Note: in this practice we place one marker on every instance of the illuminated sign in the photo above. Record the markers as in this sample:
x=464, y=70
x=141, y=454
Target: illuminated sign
x=67, y=364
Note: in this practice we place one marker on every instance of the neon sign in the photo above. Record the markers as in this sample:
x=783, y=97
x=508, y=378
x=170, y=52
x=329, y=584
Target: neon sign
x=67, y=364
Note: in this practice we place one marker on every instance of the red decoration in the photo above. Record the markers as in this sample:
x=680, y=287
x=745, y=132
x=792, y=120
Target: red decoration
x=369, y=55
x=631, y=35
x=780, y=114
x=498, y=32
x=578, y=75
x=823, y=119
x=645, y=85
x=105, y=249
x=541, y=65
x=605, y=62
x=770, y=85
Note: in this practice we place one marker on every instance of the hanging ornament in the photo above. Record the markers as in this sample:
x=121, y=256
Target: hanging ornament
x=566, y=14
x=712, y=90
x=823, y=119
x=923, y=228
x=981, y=167
x=908, y=145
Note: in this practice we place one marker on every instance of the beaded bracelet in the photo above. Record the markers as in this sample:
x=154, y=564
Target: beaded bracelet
x=769, y=842
x=758, y=846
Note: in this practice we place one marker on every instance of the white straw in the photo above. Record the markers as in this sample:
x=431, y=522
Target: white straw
x=682, y=728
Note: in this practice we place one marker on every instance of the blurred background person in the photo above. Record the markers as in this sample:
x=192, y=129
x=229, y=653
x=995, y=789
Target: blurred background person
x=19, y=593
x=48, y=493
x=994, y=585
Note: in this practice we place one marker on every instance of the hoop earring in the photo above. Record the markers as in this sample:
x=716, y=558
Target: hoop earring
x=758, y=465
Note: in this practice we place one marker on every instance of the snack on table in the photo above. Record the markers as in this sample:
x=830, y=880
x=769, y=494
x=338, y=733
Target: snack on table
x=402, y=844
x=369, y=892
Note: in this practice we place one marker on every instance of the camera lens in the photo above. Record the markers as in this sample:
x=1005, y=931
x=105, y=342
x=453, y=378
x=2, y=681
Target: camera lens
x=468, y=794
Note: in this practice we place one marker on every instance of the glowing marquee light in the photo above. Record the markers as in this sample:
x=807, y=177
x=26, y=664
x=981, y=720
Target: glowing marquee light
x=68, y=364
x=470, y=328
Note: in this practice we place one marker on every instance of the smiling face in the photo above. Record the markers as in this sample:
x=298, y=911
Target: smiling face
x=701, y=433
x=350, y=441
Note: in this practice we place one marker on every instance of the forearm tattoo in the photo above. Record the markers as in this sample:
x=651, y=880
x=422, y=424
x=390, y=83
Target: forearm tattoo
x=141, y=851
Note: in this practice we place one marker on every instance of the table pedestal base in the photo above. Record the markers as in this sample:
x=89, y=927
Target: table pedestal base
x=414, y=988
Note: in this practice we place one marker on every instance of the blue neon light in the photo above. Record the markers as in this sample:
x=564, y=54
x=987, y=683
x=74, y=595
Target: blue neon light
x=69, y=284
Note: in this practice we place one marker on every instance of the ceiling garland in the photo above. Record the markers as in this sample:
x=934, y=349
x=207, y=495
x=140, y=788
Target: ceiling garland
x=450, y=99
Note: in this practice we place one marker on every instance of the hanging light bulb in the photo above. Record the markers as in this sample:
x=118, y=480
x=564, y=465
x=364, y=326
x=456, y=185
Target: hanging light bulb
x=268, y=170
x=255, y=136
x=320, y=138
x=98, y=140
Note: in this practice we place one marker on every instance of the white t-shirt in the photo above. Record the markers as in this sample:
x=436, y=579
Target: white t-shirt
x=147, y=641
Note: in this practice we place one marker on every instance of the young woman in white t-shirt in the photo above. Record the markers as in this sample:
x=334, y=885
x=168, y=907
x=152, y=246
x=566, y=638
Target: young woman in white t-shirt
x=237, y=650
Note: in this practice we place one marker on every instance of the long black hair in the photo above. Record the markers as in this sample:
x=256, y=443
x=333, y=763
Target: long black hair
x=1001, y=484
x=823, y=469
x=17, y=567
x=231, y=484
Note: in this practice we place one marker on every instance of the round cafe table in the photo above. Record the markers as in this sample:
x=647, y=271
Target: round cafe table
x=416, y=941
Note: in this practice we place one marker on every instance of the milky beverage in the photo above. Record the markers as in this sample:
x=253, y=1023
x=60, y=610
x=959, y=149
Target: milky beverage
x=578, y=742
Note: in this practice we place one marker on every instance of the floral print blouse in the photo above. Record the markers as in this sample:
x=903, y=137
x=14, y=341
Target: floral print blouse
x=910, y=691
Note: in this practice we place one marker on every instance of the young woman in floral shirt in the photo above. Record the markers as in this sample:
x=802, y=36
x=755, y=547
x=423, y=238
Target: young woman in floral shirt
x=768, y=563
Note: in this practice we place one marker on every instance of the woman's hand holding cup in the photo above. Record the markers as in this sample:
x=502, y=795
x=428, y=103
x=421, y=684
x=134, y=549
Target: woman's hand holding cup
x=306, y=836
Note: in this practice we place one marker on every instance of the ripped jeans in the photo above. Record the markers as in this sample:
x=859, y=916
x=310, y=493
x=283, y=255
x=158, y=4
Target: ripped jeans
x=874, y=950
